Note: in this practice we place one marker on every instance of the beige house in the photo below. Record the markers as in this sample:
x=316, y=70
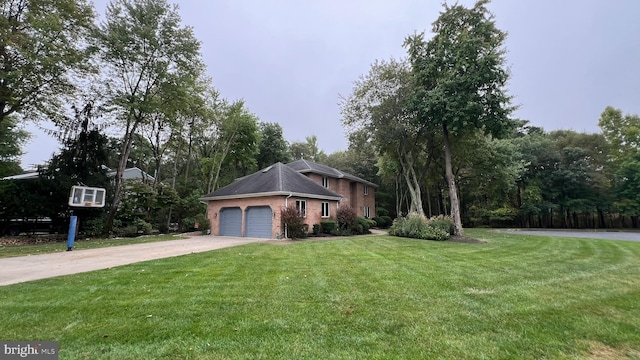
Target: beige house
x=250, y=206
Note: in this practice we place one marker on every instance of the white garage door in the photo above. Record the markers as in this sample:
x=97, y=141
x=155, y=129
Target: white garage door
x=258, y=223
x=231, y=221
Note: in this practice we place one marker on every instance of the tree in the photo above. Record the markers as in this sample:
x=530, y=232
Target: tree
x=378, y=106
x=273, y=146
x=307, y=150
x=11, y=140
x=459, y=82
x=43, y=46
x=150, y=62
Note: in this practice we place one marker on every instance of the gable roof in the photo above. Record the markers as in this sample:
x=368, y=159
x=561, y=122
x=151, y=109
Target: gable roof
x=277, y=179
x=306, y=166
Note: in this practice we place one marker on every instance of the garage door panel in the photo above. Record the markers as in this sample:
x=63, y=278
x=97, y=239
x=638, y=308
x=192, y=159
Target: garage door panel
x=231, y=221
x=259, y=220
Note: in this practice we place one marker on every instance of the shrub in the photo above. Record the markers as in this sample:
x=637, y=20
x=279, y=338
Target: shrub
x=442, y=222
x=328, y=227
x=383, y=222
x=93, y=227
x=316, y=229
x=347, y=218
x=293, y=222
x=363, y=226
x=204, y=224
x=417, y=226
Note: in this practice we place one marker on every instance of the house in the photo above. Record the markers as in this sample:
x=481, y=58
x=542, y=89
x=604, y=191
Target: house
x=251, y=205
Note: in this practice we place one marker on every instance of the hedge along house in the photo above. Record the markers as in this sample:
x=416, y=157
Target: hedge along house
x=251, y=205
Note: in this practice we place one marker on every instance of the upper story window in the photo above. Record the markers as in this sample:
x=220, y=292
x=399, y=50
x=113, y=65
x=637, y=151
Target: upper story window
x=366, y=190
x=325, y=181
x=301, y=205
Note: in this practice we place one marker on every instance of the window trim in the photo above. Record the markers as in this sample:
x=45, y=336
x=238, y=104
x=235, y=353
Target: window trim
x=328, y=208
x=301, y=206
x=325, y=181
x=366, y=189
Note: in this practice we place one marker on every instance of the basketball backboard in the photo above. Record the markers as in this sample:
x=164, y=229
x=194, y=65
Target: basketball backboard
x=86, y=196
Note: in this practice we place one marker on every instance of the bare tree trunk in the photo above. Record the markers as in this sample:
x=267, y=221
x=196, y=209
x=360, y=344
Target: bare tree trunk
x=451, y=181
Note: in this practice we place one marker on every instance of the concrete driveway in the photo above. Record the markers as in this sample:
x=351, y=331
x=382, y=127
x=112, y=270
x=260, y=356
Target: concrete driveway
x=27, y=268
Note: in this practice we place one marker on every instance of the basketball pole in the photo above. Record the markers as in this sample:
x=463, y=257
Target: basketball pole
x=72, y=232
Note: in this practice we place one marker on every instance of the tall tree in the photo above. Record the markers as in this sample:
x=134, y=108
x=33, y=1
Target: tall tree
x=460, y=78
x=11, y=140
x=43, y=45
x=307, y=150
x=273, y=146
x=150, y=61
x=378, y=106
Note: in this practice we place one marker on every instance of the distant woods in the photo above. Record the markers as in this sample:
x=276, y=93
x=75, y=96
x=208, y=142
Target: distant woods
x=435, y=129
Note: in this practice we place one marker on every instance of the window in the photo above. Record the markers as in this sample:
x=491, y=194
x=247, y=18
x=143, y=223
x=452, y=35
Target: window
x=366, y=212
x=325, y=181
x=301, y=205
x=366, y=190
x=325, y=209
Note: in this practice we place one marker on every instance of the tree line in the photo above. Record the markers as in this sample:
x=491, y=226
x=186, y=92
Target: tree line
x=434, y=130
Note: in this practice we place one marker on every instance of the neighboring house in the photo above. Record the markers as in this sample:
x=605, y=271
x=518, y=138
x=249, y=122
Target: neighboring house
x=129, y=173
x=251, y=205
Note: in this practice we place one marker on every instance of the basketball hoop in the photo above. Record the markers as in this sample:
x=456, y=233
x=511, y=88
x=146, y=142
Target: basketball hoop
x=85, y=196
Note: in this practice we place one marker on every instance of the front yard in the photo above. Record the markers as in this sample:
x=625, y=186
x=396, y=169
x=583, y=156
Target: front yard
x=515, y=297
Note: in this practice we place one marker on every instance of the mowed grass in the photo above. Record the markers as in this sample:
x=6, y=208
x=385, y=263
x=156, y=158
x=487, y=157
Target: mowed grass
x=81, y=244
x=515, y=297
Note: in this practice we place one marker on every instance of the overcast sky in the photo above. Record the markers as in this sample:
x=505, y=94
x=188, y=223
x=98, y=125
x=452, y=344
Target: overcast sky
x=292, y=59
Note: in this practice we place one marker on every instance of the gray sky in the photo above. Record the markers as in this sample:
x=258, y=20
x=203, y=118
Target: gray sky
x=291, y=59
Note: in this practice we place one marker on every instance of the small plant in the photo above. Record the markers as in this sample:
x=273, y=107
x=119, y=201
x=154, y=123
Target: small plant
x=316, y=229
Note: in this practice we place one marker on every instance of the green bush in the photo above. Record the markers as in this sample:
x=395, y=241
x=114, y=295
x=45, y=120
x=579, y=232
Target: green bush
x=328, y=227
x=383, y=222
x=204, y=224
x=442, y=222
x=418, y=227
x=363, y=226
x=316, y=229
x=93, y=227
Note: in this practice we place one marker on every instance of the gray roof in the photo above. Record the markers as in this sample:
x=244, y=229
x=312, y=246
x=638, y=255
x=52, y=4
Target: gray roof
x=277, y=179
x=306, y=166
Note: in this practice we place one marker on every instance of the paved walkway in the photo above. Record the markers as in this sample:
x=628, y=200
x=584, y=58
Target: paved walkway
x=27, y=268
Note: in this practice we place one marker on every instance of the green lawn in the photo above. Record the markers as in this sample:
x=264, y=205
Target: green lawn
x=516, y=297
x=52, y=247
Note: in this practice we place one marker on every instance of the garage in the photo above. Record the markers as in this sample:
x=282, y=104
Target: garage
x=231, y=221
x=259, y=222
